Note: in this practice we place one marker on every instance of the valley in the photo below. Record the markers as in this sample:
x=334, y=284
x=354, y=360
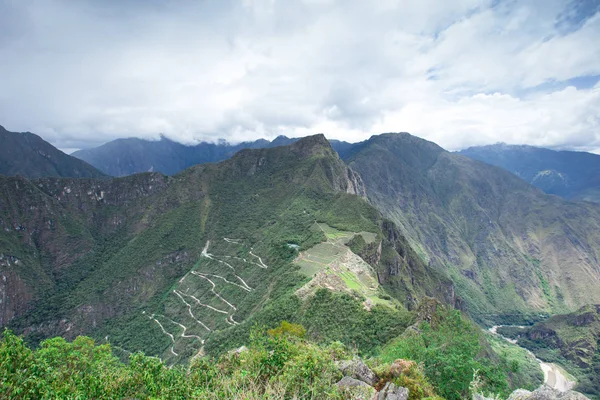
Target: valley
x=554, y=376
x=189, y=266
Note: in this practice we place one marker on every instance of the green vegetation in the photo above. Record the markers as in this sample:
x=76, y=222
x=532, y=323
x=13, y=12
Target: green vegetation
x=484, y=228
x=125, y=261
x=327, y=317
x=446, y=356
x=176, y=268
x=451, y=350
x=274, y=366
x=523, y=369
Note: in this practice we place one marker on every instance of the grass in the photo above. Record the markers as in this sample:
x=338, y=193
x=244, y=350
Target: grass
x=334, y=259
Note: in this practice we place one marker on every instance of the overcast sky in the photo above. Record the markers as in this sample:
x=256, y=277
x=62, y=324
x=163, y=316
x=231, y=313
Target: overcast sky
x=457, y=72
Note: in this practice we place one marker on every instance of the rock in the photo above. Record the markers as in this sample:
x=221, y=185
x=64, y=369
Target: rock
x=519, y=394
x=238, y=351
x=357, y=369
x=546, y=393
x=478, y=396
x=348, y=382
x=355, y=389
x=392, y=392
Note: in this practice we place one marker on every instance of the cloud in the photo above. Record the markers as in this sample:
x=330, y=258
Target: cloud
x=460, y=72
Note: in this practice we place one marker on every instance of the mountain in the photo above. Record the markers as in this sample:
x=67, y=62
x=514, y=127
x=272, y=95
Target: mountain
x=124, y=157
x=508, y=247
x=570, y=174
x=29, y=155
x=188, y=263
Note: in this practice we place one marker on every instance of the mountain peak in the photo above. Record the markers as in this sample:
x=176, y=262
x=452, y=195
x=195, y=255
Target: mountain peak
x=312, y=145
x=27, y=154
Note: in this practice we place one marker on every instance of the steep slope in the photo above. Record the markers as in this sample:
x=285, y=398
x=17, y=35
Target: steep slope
x=508, y=247
x=569, y=174
x=162, y=264
x=29, y=155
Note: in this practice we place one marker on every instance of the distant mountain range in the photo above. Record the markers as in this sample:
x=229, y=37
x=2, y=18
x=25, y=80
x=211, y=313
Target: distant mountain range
x=31, y=156
x=124, y=157
x=572, y=175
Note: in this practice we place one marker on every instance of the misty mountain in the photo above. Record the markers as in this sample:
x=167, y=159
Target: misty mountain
x=572, y=175
x=124, y=157
x=27, y=154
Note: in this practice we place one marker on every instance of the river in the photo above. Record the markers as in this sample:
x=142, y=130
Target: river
x=553, y=375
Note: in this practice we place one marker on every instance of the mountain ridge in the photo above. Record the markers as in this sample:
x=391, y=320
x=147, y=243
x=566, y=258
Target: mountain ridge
x=27, y=154
x=122, y=157
x=572, y=175
x=483, y=225
x=110, y=257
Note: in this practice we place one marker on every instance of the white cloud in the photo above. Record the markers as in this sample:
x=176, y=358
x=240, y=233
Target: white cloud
x=459, y=72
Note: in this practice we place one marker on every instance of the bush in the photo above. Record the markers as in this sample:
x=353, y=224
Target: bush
x=448, y=349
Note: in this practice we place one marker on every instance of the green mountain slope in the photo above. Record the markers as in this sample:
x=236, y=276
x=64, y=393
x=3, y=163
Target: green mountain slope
x=570, y=174
x=170, y=265
x=29, y=155
x=508, y=247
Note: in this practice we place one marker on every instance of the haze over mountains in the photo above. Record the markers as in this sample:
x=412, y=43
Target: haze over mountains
x=124, y=157
x=569, y=174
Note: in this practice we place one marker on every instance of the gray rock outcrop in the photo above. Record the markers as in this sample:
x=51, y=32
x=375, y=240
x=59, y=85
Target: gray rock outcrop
x=357, y=369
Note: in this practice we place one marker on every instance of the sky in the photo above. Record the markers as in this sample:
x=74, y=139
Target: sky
x=457, y=72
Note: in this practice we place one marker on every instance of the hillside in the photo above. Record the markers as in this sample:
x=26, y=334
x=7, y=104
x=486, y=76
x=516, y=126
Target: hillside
x=508, y=247
x=124, y=157
x=29, y=155
x=570, y=174
x=163, y=264
x=570, y=339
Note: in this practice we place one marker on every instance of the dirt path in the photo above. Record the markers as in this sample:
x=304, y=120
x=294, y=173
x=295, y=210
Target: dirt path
x=213, y=289
x=246, y=288
x=183, y=335
x=262, y=264
x=189, y=307
x=180, y=293
x=166, y=333
x=206, y=254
